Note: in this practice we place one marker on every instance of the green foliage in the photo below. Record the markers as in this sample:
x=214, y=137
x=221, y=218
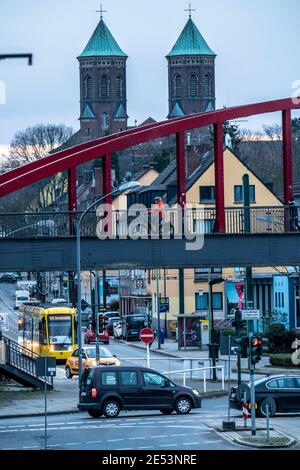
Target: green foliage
x=281, y=340
x=282, y=360
x=162, y=160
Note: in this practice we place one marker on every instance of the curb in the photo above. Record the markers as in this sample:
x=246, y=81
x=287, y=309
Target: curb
x=32, y=415
x=290, y=443
x=241, y=442
x=210, y=394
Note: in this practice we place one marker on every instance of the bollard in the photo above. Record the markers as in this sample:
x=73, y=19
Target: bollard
x=245, y=410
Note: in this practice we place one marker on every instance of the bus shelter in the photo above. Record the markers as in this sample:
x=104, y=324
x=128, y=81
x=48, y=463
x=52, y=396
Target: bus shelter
x=189, y=331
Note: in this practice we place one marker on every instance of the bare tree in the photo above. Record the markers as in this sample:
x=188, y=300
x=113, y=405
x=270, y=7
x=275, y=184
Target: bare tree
x=27, y=146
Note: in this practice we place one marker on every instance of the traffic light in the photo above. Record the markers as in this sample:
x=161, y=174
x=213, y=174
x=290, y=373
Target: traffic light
x=102, y=319
x=256, y=348
x=265, y=345
x=242, y=349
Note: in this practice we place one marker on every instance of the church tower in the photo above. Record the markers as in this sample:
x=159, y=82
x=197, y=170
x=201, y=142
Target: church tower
x=191, y=73
x=102, y=85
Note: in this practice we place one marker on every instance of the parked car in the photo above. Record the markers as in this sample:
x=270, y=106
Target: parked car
x=110, y=325
x=89, y=360
x=280, y=392
x=90, y=336
x=117, y=329
x=8, y=277
x=107, y=390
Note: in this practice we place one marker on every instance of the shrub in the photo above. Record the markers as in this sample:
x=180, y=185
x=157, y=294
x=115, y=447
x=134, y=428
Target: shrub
x=282, y=360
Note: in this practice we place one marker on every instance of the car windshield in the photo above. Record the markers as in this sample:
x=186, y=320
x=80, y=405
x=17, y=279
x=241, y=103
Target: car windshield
x=104, y=353
x=136, y=322
x=22, y=298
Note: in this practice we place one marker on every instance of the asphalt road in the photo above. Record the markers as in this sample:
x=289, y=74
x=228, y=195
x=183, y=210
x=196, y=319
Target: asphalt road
x=132, y=430
x=7, y=292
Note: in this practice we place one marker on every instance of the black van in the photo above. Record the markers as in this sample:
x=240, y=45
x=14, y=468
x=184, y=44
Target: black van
x=132, y=325
x=107, y=390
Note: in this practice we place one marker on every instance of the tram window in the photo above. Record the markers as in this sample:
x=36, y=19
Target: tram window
x=42, y=331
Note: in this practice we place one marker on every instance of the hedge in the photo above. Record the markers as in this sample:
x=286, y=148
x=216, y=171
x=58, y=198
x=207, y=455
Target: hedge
x=282, y=360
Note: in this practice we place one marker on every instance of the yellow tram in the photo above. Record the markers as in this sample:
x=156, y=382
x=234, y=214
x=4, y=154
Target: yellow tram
x=48, y=330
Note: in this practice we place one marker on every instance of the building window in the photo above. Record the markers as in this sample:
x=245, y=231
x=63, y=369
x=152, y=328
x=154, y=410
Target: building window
x=202, y=273
x=88, y=87
x=202, y=301
x=103, y=87
x=119, y=87
x=104, y=121
x=193, y=85
x=238, y=193
x=177, y=86
x=207, y=86
x=207, y=194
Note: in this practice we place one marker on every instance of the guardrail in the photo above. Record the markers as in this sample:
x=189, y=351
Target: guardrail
x=271, y=219
x=204, y=369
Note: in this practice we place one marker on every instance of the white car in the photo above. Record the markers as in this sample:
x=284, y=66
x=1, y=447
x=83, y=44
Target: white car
x=59, y=301
x=117, y=329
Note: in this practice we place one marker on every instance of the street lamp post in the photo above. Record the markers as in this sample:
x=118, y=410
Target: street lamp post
x=212, y=328
x=123, y=187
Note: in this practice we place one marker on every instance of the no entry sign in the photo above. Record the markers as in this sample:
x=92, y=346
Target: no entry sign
x=146, y=335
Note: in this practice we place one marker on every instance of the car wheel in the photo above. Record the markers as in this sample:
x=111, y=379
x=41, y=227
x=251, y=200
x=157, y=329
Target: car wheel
x=262, y=407
x=183, y=406
x=166, y=412
x=111, y=409
x=69, y=374
x=95, y=413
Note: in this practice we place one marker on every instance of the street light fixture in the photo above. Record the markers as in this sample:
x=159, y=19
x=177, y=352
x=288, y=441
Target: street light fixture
x=17, y=56
x=123, y=187
x=212, y=283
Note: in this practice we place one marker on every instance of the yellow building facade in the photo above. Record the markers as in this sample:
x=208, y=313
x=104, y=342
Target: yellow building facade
x=196, y=281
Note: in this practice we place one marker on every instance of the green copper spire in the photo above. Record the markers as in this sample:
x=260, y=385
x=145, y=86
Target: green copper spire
x=102, y=43
x=191, y=42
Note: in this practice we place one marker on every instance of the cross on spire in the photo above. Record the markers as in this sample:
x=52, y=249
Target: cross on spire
x=101, y=11
x=190, y=9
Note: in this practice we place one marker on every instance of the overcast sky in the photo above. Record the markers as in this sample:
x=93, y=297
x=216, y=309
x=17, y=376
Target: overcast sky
x=257, y=44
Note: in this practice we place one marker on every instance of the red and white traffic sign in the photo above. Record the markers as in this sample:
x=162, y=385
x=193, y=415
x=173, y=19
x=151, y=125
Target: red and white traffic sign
x=147, y=335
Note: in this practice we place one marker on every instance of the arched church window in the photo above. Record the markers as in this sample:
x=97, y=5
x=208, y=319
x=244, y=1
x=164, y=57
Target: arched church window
x=207, y=85
x=103, y=87
x=88, y=87
x=193, y=85
x=104, y=118
x=177, y=86
x=119, y=86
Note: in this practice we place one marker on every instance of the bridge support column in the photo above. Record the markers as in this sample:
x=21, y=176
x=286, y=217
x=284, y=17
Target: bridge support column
x=181, y=200
x=181, y=173
x=107, y=187
x=72, y=197
x=219, y=177
x=287, y=156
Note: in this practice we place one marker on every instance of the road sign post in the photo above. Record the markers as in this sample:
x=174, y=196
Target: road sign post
x=252, y=388
x=147, y=337
x=45, y=367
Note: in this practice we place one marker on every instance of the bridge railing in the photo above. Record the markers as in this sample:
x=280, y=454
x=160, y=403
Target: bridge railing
x=272, y=219
x=22, y=359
